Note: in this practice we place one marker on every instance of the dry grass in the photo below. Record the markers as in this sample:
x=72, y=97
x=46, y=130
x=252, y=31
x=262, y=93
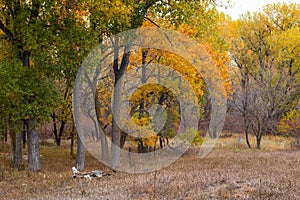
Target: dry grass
x=269, y=143
x=231, y=171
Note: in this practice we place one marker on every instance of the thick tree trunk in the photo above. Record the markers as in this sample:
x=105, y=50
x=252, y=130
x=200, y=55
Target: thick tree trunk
x=80, y=158
x=115, y=146
x=24, y=135
x=119, y=72
x=116, y=132
x=104, y=147
x=34, y=159
x=17, y=163
x=13, y=139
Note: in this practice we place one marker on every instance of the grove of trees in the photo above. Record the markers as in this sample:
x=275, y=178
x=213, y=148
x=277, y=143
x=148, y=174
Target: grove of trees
x=44, y=43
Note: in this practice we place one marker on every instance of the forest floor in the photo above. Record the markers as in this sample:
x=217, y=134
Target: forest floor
x=230, y=171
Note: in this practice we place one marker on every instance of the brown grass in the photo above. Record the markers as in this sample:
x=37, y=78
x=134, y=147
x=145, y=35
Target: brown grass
x=231, y=171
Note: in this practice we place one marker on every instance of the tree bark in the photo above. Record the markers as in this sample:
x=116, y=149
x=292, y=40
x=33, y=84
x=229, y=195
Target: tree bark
x=5, y=135
x=55, y=127
x=116, y=132
x=123, y=139
x=24, y=135
x=17, y=163
x=258, y=141
x=247, y=139
x=61, y=130
x=34, y=159
x=115, y=139
x=80, y=158
x=104, y=147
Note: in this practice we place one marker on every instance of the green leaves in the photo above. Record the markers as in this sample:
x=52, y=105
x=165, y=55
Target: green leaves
x=24, y=93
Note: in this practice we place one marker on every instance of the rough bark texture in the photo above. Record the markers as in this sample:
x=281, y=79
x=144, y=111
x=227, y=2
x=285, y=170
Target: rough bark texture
x=17, y=163
x=80, y=158
x=119, y=72
x=61, y=130
x=258, y=142
x=24, y=136
x=116, y=132
x=34, y=159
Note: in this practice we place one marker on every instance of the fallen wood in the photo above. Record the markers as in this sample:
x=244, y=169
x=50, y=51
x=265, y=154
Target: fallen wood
x=88, y=175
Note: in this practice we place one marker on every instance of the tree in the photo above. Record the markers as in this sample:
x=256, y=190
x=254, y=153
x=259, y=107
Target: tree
x=23, y=24
x=290, y=125
x=267, y=66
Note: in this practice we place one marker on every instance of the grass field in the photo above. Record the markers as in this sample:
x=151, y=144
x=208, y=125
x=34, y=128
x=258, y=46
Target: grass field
x=230, y=171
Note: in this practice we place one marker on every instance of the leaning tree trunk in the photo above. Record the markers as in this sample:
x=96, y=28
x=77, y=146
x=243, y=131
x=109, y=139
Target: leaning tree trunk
x=34, y=159
x=246, y=124
x=247, y=139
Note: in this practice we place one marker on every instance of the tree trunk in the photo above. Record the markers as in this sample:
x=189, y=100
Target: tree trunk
x=123, y=139
x=5, y=131
x=55, y=128
x=13, y=139
x=61, y=130
x=258, y=141
x=104, y=147
x=115, y=146
x=5, y=135
x=17, y=163
x=247, y=139
x=80, y=158
x=34, y=159
x=24, y=135
x=119, y=72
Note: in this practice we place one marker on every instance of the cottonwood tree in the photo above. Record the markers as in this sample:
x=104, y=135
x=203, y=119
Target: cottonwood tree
x=268, y=66
x=50, y=39
x=73, y=40
x=117, y=16
x=23, y=23
x=290, y=125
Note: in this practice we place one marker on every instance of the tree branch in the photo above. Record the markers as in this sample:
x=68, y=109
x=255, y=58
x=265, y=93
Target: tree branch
x=150, y=20
x=7, y=32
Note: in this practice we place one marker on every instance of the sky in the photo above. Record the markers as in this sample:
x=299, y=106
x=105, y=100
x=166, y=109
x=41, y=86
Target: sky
x=241, y=6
